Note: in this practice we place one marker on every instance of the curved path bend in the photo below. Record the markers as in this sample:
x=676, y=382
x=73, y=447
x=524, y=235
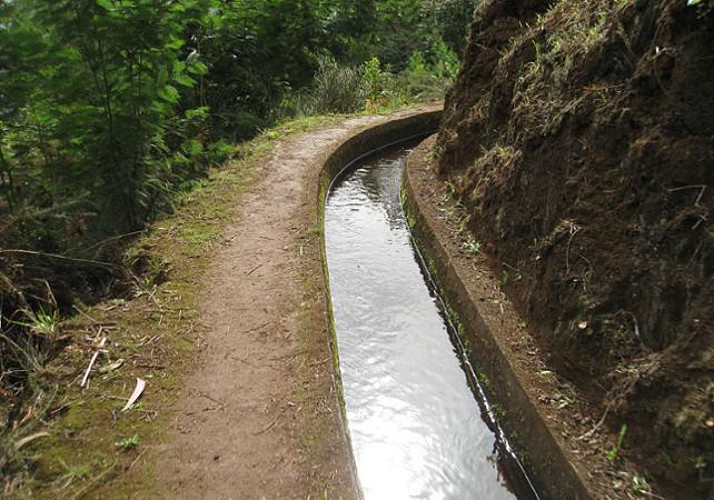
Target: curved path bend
x=259, y=417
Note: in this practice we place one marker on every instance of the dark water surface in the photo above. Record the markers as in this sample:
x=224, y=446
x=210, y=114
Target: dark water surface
x=416, y=429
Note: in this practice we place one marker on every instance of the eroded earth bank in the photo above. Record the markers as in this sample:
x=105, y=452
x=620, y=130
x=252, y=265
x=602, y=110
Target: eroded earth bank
x=578, y=144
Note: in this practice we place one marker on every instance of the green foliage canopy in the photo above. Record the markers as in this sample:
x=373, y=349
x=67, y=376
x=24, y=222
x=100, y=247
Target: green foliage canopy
x=107, y=107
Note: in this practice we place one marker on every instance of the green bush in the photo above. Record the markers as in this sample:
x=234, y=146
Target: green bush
x=336, y=89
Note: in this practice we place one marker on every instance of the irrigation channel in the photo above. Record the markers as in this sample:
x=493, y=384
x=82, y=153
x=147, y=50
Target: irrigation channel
x=419, y=424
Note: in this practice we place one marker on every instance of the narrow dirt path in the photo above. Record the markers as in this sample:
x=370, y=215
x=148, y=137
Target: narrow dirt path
x=259, y=417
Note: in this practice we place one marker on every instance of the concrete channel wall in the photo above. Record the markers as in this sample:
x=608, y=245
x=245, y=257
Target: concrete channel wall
x=462, y=287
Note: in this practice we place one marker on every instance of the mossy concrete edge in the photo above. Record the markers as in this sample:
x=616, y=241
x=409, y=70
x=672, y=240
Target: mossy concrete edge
x=547, y=460
x=397, y=128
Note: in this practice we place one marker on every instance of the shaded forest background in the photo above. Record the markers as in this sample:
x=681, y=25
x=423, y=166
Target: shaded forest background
x=112, y=110
x=108, y=108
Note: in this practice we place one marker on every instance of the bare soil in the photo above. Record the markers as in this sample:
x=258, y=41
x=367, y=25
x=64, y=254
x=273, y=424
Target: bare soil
x=260, y=417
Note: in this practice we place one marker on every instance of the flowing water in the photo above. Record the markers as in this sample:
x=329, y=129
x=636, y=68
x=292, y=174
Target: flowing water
x=416, y=428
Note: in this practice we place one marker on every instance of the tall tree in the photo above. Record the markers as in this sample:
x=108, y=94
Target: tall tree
x=102, y=91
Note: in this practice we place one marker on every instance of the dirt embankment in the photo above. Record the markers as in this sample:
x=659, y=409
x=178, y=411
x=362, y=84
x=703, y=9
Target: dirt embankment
x=580, y=138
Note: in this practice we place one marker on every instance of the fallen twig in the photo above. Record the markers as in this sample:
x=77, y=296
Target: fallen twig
x=59, y=257
x=573, y=231
x=255, y=269
x=22, y=442
x=113, y=238
x=270, y=426
x=85, y=379
x=204, y=395
x=701, y=187
x=137, y=459
x=84, y=314
x=598, y=424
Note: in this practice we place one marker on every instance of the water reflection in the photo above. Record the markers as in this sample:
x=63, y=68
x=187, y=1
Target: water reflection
x=416, y=428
